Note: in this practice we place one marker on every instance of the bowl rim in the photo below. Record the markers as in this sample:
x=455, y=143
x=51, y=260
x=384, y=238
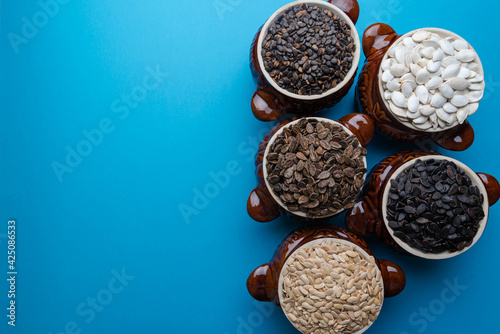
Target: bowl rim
x=443, y=33
x=475, y=181
x=264, y=165
x=354, y=33
x=358, y=248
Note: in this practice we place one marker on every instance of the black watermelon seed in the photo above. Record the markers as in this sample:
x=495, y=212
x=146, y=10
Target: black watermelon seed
x=408, y=187
x=446, y=199
x=394, y=197
x=463, y=198
x=409, y=209
x=421, y=209
x=399, y=234
x=393, y=224
x=422, y=220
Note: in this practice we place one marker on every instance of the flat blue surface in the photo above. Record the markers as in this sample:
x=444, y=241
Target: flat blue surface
x=102, y=245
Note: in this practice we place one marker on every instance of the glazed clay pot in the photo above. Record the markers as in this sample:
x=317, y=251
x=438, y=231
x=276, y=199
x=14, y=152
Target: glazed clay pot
x=263, y=205
x=263, y=283
x=270, y=102
x=368, y=216
x=377, y=40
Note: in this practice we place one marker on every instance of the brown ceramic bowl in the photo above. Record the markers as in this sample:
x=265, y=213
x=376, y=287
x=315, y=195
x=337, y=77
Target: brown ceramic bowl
x=271, y=102
x=368, y=216
x=263, y=205
x=264, y=282
x=377, y=41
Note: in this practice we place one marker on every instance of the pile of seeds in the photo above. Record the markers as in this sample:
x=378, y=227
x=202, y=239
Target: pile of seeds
x=308, y=50
x=431, y=82
x=316, y=167
x=434, y=207
x=329, y=287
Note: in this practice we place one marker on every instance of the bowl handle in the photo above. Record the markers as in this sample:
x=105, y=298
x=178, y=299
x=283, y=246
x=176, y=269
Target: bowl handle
x=458, y=138
x=362, y=219
x=376, y=37
x=266, y=107
x=350, y=7
x=492, y=187
x=361, y=125
x=394, y=278
x=260, y=283
x=261, y=206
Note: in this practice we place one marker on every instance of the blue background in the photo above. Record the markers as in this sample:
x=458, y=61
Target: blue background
x=119, y=208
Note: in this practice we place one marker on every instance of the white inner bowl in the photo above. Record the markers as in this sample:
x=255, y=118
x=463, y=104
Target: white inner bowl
x=264, y=165
x=360, y=250
x=443, y=34
x=335, y=10
x=476, y=181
